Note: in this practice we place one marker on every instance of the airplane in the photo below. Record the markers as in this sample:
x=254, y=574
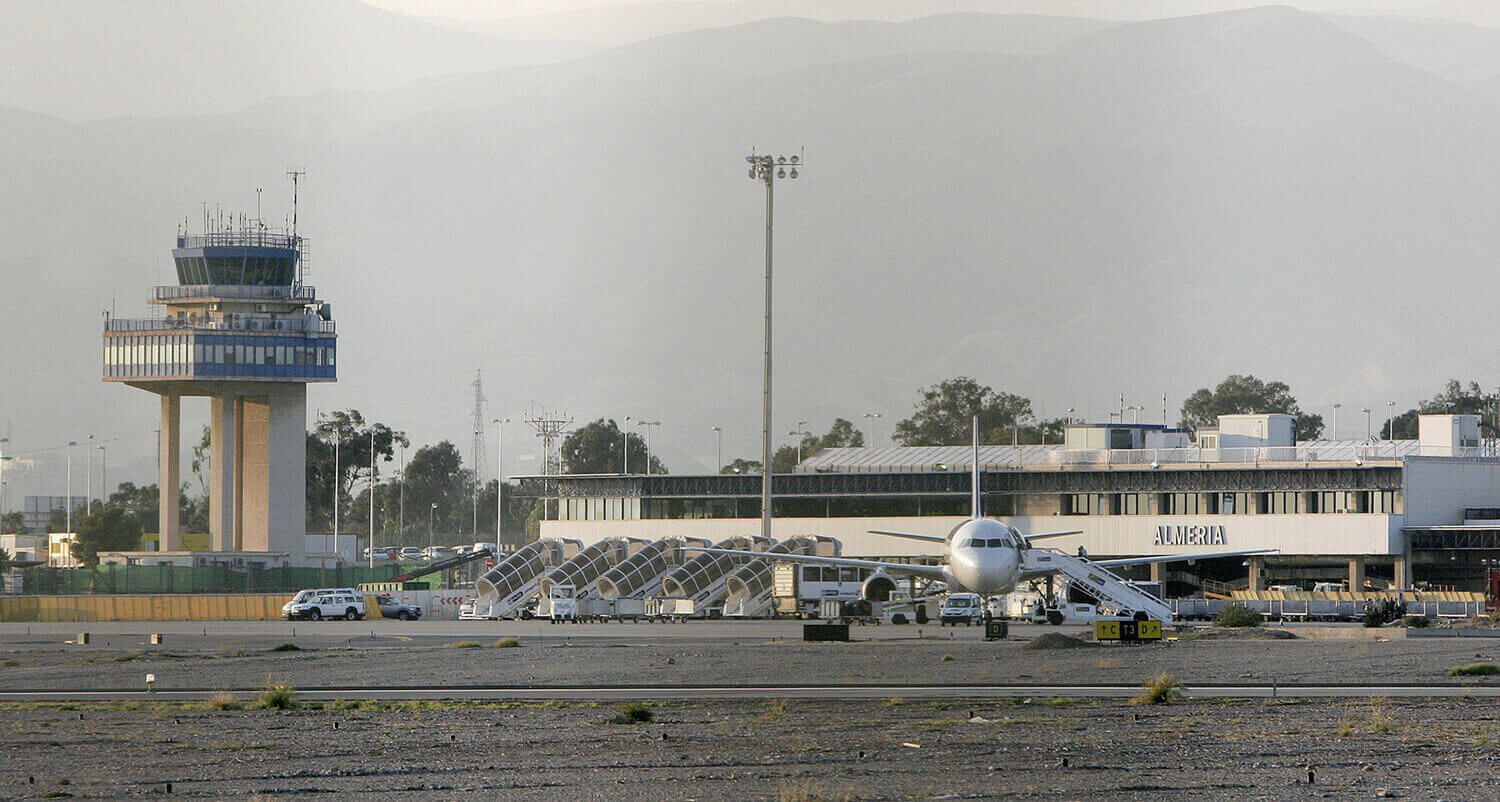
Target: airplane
x=985, y=556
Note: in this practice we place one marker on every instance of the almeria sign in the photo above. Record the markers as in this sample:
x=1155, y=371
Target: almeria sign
x=1206, y=535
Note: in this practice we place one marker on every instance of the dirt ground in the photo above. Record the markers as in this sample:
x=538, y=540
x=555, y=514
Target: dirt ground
x=1040, y=748
x=122, y=661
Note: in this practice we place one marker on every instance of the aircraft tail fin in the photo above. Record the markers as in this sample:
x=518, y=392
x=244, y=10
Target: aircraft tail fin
x=975, y=507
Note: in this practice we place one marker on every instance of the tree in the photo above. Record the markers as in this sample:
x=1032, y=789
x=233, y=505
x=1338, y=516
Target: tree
x=1247, y=395
x=945, y=412
x=599, y=447
x=352, y=433
x=13, y=523
x=1455, y=399
x=742, y=466
x=435, y=475
x=841, y=435
x=109, y=528
x=144, y=502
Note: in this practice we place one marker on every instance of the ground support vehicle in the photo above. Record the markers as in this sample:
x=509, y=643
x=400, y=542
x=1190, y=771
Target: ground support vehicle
x=962, y=608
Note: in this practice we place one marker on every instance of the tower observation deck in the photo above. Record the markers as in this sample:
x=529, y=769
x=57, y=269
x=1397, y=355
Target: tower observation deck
x=242, y=329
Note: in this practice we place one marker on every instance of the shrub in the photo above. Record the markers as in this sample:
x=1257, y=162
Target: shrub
x=1159, y=690
x=463, y=644
x=1418, y=621
x=508, y=643
x=287, y=647
x=1238, y=615
x=1373, y=618
x=279, y=696
x=224, y=701
x=1474, y=670
x=635, y=713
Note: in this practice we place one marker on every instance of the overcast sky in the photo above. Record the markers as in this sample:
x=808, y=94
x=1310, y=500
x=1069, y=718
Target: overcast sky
x=1097, y=208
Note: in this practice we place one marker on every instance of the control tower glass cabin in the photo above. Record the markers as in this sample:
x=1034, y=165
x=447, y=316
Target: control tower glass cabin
x=242, y=329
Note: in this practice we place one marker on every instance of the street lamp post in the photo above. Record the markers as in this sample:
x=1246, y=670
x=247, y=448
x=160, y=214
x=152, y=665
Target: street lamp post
x=401, y=497
x=103, y=475
x=648, y=441
x=1133, y=411
x=68, y=499
x=1390, y=420
x=873, y=416
x=499, y=483
x=1366, y=410
x=719, y=431
x=88, y=477
x=431, y=511
x=625, y=441
x=1336, y=408
x=767, y=169
x=799, y=434
x=3, y=458
x=372, y=497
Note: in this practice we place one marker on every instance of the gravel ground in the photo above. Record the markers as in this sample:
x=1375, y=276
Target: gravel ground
x=1034, y=749
x=121, y=662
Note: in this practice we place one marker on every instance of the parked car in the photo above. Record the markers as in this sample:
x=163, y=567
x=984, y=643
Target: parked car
x=382, y=554
x=392, y=607
x=348, y=606
x=436, y=553
x=411, y=553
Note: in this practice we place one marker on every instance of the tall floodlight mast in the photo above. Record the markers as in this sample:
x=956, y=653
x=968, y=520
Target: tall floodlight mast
x=767, y=169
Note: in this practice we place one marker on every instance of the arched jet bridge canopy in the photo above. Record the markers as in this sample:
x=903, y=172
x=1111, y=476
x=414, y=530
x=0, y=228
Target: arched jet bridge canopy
x=585, y=567
x=524, y=565
x=754, y=577
x=705, y=570
x=635, y=576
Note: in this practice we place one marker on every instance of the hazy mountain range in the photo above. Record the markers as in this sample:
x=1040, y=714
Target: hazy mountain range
x=1063, y=207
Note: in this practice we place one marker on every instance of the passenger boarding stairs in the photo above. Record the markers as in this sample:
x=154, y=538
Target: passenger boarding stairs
x=756, y=606
x=1103, y=584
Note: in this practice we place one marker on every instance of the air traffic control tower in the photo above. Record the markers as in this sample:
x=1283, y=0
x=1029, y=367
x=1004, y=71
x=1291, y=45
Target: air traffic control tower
x=241, y=328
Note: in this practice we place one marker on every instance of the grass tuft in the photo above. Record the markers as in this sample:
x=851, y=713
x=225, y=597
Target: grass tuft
x=1161, y=689
x=775, y=711
x=127, y=657
x=1418, y=621
x=223, y=701
x=287, y=647
x=1474, y=670
x=463, y=644
x=809, y=791
x=508, y=643
x=280, y=696
x=635, y=713
x=948, y=658
x=1238, y=615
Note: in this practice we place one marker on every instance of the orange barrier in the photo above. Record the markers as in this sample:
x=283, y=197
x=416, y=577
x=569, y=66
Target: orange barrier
x=205, y=607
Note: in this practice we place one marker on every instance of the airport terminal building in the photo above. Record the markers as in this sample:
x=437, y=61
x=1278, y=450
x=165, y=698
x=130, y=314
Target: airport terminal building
x=1403, y=513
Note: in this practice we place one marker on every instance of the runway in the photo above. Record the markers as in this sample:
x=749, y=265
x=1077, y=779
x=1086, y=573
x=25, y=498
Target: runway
x=753, y=692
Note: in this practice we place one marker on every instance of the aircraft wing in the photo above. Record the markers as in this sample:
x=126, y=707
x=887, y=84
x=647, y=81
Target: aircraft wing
x=900, y=569
x=1179, y=557
x=909, y=536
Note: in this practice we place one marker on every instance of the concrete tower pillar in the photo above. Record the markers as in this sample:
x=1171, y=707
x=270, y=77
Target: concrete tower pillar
x=169, y=481
x=223, y=483
x=1356, y=574
x=1257, y=568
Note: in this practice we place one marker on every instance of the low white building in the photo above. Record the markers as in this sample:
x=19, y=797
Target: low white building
x=1391, y=513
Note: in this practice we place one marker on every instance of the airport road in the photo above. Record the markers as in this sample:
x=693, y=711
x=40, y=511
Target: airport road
x=725, y=692
x=790, y=629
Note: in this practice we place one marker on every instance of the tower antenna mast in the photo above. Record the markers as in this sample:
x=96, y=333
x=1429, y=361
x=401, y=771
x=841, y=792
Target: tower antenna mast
x=476, y=446
x=295, y=174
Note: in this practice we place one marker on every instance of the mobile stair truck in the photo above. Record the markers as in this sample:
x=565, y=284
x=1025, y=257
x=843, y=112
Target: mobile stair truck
x=1120, y=598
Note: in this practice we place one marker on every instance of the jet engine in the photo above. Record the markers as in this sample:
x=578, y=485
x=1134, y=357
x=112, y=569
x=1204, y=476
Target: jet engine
x=878, y=587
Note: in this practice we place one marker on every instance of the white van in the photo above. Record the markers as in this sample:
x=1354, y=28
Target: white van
x=966, y=608
x=317, y=603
